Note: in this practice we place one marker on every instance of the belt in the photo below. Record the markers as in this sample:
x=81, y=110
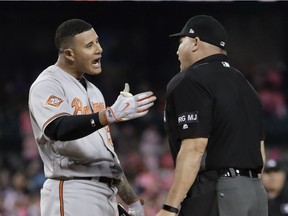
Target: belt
x=109, y=181
x=233, y=172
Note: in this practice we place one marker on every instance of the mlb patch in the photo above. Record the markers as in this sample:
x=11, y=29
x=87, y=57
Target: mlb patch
x=53, y=101
x=225, y=64
x=186, y=118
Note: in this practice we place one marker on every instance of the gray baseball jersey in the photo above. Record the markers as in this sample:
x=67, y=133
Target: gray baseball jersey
x=56, y=93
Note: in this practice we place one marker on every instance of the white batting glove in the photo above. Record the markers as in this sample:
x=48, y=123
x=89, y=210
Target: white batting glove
x=136, y=209
x=128, y=107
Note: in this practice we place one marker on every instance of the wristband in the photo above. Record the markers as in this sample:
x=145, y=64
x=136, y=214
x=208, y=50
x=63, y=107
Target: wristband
x=170, y=208
x=95, y=122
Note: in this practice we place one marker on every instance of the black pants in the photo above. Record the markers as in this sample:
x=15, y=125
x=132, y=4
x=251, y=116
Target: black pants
x=201, y=200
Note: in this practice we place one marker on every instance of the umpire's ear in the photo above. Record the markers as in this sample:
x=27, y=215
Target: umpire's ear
x=196, y=42
x=69, y=54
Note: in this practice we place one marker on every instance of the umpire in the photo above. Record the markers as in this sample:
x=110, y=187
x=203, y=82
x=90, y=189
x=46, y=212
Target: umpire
x=213, y=118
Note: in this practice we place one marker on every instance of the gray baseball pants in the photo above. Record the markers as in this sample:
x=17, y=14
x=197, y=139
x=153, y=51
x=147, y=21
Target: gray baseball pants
x=78, y=197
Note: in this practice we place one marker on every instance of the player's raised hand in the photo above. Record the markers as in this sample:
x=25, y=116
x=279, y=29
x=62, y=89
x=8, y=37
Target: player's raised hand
x=128, y=107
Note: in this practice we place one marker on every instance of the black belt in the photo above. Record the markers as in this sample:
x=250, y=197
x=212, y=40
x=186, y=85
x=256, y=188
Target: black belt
x=109, y=181
x=233, y=172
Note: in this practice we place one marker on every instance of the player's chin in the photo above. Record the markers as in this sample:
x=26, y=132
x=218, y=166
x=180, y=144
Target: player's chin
x=95, y=71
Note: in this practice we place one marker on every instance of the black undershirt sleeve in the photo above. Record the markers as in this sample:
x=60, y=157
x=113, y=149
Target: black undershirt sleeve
x=67, y=128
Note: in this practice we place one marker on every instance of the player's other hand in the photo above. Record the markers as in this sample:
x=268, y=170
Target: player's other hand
x=136, y=209
x=128, y=107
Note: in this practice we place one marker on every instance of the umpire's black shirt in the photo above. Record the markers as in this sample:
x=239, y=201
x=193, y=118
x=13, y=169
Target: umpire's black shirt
x=213, y=100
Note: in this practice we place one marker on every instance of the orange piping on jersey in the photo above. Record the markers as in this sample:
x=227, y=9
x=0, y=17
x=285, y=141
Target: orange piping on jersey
x=54, y=117
x=61, y=197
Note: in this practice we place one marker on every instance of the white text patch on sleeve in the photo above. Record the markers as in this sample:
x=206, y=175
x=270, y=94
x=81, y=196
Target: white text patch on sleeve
x=186, y=118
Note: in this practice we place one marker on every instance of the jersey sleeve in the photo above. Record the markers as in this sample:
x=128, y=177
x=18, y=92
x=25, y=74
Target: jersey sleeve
x=47, y=102
x=193, y=106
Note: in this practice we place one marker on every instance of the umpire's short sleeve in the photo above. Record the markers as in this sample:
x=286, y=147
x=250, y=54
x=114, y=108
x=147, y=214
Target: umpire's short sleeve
x=194, y=109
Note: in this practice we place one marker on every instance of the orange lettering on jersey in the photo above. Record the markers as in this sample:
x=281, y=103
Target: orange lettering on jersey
x=77, y=105
x=79, y=109
x=53, y=101
x=86, y=110
x=97, y=107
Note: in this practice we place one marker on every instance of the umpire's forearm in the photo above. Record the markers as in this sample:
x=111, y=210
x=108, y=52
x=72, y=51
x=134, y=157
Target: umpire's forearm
x=187, y=167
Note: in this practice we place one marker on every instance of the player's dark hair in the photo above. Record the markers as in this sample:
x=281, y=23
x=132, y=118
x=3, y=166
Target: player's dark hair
x=67, y=30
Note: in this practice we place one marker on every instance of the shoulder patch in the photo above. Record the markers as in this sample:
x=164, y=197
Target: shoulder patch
x=186, y=118
x=53, y=101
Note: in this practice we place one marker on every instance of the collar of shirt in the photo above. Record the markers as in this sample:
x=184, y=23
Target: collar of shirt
x=209, y=59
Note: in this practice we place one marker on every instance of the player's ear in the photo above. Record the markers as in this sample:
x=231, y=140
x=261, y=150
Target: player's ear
x=69, y=54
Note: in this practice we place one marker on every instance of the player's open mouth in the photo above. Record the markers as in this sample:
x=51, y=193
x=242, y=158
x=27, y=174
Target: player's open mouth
x=96, y=62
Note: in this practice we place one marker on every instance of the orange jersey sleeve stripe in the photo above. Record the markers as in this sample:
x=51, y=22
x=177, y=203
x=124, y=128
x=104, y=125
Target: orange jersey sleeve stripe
x=54, y=117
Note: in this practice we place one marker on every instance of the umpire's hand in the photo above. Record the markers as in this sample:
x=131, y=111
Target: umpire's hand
x=128, y=107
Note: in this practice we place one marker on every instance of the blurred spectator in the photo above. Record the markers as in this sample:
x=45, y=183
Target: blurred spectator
x=150, y=190
x=15, y=197
x=35, y=176
x=4, y=185
x=166, y=171
x=272, y=92
x=132, y=164
x=275, y=183
x=272, y=96
x=151, y=147
x=29, y=147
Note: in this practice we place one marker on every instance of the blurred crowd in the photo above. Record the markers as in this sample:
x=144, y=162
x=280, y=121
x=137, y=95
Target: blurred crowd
x=142, y=148
x=147, y=61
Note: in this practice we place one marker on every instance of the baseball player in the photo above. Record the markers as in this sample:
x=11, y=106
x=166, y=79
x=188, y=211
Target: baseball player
x=70, y=122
